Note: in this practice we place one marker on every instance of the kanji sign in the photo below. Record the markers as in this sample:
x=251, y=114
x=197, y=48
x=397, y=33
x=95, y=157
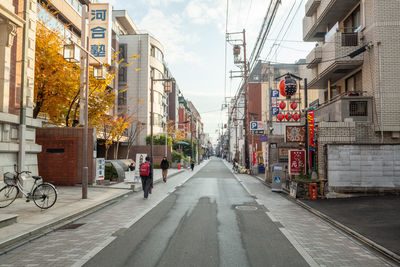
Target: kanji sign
x=100, y=32
x=297, y=161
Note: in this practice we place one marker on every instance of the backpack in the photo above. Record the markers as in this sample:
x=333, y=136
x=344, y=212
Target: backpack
x=145, y=169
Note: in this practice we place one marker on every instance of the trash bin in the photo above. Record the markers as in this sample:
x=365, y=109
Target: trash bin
x=277, y=175
x=261, y=168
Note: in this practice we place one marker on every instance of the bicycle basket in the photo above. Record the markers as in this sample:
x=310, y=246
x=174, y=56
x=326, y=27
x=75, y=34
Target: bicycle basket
x=10, y=178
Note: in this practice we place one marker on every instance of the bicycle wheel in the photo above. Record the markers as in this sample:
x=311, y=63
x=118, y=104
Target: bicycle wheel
x=44, y=195
x=7, y=195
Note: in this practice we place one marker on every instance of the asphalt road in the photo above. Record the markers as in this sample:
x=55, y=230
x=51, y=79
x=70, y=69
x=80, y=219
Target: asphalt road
x=210, y=220
x=377, y=218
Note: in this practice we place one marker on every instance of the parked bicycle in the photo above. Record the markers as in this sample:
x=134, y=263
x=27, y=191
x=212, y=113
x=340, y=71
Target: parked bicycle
x=43, y=194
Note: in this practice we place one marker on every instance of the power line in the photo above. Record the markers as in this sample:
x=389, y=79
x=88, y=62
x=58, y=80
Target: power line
x=290, y=24
x=248, y=13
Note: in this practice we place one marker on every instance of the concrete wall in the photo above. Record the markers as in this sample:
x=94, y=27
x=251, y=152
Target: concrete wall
x=363, y=167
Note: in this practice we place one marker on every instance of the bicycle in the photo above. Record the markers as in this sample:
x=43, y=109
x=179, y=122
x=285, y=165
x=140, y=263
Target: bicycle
x=43, y=194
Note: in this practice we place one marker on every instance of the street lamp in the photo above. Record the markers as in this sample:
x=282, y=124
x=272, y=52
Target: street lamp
x=71, y=52
x=168, y=83
x=100, y=72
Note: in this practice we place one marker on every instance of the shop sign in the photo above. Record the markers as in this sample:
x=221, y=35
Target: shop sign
x=295, y=134
x=297, y=161
x=311, y=128
x=100, y=32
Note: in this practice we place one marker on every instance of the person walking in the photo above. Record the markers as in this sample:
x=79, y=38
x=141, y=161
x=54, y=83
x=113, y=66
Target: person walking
x=146, y=174
x=192, y=165
x=164, y=166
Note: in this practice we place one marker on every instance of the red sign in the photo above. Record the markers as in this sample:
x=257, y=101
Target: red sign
x=297, y=161
x=311, y=128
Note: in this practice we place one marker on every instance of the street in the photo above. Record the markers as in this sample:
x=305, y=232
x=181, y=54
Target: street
x=212, y=218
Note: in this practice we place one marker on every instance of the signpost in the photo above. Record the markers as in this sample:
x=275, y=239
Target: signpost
x=100, y=166
x=295, y=134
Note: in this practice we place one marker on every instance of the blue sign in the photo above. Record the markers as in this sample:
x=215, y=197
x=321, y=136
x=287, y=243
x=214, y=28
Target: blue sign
x=263, y=138
x=275, y=110
x=253, y=125
x=277, y=180
x=275, y=93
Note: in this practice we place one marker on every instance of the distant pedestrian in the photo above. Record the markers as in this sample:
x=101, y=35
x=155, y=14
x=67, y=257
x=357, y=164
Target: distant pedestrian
x=192, y=165
x=131, y=167
x=164, y=166
x=146, y=174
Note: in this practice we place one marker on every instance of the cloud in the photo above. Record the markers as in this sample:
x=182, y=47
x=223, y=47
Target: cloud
x=158, y=3
x=170, y=31
x=206, y=12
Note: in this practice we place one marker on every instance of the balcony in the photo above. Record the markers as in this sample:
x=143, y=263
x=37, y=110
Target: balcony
x=334, y=63
x=311, y=7
x=314, y=57
x=353, y=106
x=328, y=13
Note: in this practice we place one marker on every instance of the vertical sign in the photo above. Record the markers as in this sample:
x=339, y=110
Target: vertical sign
x=100, y=32
x=100, y=165
x=297, y=161
x=311, y=128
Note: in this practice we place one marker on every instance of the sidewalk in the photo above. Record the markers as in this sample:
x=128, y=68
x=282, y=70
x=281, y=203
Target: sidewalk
x=33, y=222
x=373, y=220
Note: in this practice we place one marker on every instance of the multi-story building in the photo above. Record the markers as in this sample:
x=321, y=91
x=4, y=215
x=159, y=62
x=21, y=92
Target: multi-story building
x=184, y=117
x=265, y=77
x=17, y=66
x=356, y=65
x=135, y=76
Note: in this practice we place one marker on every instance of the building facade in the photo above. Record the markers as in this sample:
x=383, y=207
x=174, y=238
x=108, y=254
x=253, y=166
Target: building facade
x=355, y=66
x=135, y=82
x=17, y=65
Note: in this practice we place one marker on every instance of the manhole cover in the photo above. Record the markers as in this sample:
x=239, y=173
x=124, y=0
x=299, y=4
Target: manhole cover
x=246, y=208
x=71, y=226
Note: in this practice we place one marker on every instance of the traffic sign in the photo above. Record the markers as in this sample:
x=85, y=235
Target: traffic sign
x=275, y=110
x=257, y=125
x=275, y=93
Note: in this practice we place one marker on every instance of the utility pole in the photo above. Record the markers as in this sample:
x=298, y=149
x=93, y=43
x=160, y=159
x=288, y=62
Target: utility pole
x=246, y=110
x=307, y=133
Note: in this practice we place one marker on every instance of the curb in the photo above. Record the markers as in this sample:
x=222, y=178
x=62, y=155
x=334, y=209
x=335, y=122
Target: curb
x=45, y=229
x=391, y=255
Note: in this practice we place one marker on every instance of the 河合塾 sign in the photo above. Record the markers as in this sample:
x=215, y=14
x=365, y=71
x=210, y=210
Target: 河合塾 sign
x=100, y=32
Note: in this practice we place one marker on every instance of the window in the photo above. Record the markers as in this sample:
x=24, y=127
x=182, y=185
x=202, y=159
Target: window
x=156, y=53
x=122, y=51
x=358, y=108
x=122, y=75
x=122, y=97
x=354, y=83
x=156, y=74
x=353, y=22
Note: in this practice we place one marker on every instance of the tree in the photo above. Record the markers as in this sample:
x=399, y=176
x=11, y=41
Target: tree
x=133, y=132
x=57, y=84
x=120, y=124
x=104, y=131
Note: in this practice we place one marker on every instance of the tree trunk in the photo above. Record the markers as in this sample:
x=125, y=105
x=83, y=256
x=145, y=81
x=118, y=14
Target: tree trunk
x=116, y=151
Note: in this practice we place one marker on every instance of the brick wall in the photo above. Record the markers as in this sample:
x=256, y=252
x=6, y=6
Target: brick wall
x=61, y=161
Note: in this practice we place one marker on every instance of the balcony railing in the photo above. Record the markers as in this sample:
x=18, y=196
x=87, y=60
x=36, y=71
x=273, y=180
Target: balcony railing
x=311, y=7
x=314, y=57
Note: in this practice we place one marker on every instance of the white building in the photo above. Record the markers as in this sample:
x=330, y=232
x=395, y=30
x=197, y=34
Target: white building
x=135, y=82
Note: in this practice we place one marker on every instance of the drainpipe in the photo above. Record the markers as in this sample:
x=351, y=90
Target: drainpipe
x=380, y=90
x=24, y=88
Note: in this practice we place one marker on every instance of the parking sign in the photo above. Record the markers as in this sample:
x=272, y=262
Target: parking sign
x=275, y=93
x=275, y=110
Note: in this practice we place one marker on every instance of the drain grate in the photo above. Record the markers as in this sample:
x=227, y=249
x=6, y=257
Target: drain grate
x=71, y=226
x=246, y=208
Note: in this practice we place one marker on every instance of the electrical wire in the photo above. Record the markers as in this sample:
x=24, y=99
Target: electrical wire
x=287, y=29
x=283, y=25
x=248, y=13
x=226, y=32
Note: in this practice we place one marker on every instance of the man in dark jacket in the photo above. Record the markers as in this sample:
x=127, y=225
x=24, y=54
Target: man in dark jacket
x=146, y=174
x=164, y=166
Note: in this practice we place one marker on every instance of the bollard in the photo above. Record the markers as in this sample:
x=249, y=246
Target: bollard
x=313, y=191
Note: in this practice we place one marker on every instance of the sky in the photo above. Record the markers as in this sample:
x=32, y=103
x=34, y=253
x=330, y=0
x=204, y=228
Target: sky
x=193, y=35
